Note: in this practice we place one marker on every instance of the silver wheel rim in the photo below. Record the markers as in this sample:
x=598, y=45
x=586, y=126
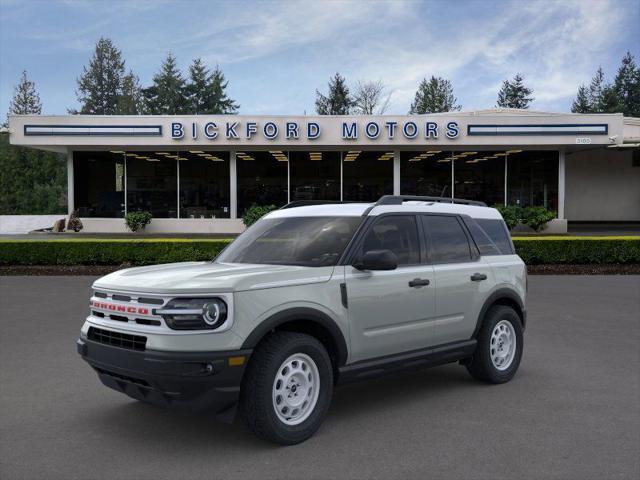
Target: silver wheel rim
x=503, y=345
x=295, y=389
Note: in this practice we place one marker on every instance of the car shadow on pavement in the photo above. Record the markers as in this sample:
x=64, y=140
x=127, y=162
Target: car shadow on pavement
x=150, y=426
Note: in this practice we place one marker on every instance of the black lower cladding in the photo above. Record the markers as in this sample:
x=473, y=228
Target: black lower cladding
x=192, y=381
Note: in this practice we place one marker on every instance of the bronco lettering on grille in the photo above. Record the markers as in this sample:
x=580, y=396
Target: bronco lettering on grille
x=118, y=308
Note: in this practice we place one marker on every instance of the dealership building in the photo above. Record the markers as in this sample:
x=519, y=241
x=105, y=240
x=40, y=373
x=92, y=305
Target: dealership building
x=200, y=173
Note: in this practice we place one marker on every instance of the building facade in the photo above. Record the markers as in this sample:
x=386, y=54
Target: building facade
x=201, y=173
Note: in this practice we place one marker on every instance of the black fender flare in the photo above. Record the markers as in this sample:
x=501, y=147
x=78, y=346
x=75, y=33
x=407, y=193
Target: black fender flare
x=495, y=297
x=300, y=314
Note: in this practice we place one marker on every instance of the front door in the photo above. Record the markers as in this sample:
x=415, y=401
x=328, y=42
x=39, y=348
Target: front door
x=390, y=311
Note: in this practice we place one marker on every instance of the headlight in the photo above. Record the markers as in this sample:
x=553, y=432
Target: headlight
x=194, y=313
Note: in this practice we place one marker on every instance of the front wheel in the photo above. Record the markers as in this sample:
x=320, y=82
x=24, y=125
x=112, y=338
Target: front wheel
x=499, y=348
x=287, y=388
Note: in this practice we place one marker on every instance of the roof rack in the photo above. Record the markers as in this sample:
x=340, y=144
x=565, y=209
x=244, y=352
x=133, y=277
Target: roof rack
x=400, y=199
x=306, y=203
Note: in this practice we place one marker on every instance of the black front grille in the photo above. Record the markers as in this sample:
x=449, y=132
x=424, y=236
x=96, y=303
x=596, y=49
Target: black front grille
x=117, y=339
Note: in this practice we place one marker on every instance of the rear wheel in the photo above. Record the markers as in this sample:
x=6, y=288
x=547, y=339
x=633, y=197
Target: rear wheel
x=287, y=388
x=499, y=348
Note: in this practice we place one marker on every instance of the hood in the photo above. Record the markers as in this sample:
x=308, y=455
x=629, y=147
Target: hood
x=209, y=277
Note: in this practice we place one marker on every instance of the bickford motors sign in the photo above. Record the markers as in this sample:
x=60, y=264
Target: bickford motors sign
x=294, y=130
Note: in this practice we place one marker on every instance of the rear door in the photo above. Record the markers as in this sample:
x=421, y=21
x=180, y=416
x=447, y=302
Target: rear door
x=391, y=311
x=462, y=278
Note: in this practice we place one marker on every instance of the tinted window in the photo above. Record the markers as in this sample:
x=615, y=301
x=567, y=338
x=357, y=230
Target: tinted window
x=481, y=239
x=397, y=233
x=497, y=232
x=449, y=243
x=305, y=241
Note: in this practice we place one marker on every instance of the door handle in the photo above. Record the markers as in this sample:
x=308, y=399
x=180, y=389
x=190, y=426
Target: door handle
x=477, y=277
x=419, y=282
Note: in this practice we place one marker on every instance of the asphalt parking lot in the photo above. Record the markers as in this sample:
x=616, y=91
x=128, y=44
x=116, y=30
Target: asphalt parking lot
x=572, y=411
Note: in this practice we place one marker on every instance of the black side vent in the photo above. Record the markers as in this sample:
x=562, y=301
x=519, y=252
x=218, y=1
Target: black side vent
x=117, y=339
x=100, y=294
x=121, y=298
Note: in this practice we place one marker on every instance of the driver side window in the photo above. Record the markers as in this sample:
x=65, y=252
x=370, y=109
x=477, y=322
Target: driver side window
x=398, y=233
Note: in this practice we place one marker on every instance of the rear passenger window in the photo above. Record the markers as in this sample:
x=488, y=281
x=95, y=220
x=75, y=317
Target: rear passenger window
x=498, y=233
x=449, y=243
x=398, y=233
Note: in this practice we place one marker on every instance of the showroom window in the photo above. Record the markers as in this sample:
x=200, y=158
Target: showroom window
x=426, y=172
x=314, y=175
x=99, y=184
x=532, y=179
x=479, y=175
x=366, y=176
x=262, y=179
x=204, y=184
x=152, y=183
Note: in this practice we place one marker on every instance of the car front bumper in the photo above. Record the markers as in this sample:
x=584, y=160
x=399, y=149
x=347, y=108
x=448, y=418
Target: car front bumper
x=192, y=381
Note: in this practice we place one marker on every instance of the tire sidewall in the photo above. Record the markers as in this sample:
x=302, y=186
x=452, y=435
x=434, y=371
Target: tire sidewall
x=315, y=350
x=496, y=315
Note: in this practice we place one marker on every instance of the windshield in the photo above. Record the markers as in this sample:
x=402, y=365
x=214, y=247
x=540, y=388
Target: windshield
x=305, y=241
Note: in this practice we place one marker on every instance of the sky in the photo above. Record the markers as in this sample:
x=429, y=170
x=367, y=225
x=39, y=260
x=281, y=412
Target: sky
x=276, y=54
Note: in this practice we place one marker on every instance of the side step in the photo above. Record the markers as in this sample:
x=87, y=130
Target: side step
x=416, y=359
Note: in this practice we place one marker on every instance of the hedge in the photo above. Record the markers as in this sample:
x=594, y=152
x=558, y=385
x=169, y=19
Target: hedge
x=533, y=250
x=578, y=250
x=107, y=252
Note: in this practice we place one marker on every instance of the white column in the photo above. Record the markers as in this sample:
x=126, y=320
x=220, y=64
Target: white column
x=177, y=188
x=561, y=177
x=453, y=176
x=506, y=172
x=70, y=189
x=233, y=185
x=341, y=176
x=396, y=172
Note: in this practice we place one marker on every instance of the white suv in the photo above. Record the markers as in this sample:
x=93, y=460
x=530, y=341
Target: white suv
x=309, y=297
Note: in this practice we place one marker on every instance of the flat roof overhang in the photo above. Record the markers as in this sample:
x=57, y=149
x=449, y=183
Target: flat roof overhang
x=485, y=130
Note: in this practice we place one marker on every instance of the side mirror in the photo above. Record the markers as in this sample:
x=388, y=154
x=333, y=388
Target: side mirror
x=378, y=260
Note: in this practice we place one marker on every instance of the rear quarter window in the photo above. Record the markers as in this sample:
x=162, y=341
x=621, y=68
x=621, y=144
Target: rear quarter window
x=496, y=231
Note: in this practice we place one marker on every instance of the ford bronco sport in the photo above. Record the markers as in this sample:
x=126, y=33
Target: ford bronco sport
x=309, y=297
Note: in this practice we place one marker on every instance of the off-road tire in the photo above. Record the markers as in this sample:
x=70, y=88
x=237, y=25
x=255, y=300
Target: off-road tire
x=256, y=401
x=481, y=366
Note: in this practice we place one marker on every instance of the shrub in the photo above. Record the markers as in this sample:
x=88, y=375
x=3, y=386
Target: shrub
x=537, y=217
x=74, y=223
x=255, y=213
x=137, y=220
x=534, y=217
x=578, y=250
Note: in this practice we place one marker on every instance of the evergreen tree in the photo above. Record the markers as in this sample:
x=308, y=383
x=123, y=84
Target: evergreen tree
x=514, y=94
x=100, y=85
x=433, y=96
x=627, y=86
x=596, y=91
x=338, y=101
x=25, y=99
x=167, y=95
x=581, y=104
x=218, y=101
x=206, y=91
x=31, y=181
x=130, y=101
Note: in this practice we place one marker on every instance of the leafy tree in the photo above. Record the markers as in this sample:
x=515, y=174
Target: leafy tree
x=206, y=92
x=370, y=98
x=514, y=93
x=100, y=85
x=338, y=101
x=627, y=86
x=25, y=99
x=434, y=95
x=131, y=100
x=167, y=95
x=582, y=103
